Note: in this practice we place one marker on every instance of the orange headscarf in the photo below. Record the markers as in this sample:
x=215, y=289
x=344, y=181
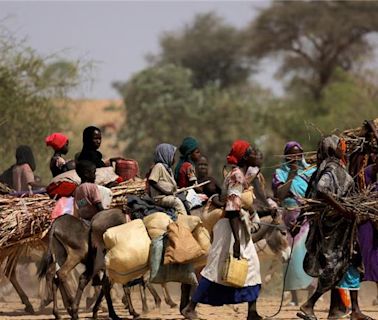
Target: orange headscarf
x=238, y=150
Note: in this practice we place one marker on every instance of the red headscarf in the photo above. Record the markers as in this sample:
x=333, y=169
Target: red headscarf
x=238, y=150
x=56, y=141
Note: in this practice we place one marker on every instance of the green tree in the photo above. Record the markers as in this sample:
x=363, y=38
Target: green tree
x=210, y=48
x=28, y=97
x=163, y=106
x=314, y=39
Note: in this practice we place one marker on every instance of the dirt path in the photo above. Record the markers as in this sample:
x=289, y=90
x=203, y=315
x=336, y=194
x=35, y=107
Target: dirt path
x=267, y=306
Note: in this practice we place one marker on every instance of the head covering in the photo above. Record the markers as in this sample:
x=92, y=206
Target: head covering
x=56, y=140
x=24, y=154
x=89, y=152
x=164, y=154
x=292, y=144
x=188, y=145
x=238, y=150
x=328, y=147
x=88, y=136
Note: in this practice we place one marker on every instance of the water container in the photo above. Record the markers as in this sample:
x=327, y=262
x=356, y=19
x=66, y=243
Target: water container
x=127, y=168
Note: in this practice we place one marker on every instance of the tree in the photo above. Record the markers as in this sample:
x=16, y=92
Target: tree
x=28, y=97
x=163, y=106
x=210, y=48
x=315, y=38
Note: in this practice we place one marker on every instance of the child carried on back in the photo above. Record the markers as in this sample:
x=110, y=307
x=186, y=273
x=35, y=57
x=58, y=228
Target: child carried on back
x=161, y=181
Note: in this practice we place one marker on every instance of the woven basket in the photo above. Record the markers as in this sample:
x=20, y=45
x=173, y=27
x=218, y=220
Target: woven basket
x=235, y=272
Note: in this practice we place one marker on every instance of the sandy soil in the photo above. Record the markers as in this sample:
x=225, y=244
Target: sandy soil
x=268, y=305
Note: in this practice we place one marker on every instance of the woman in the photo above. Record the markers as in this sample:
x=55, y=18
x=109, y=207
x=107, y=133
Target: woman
x=230, y=237
x=290, y=183
x=161, y=181
x=185, y=172
x=202, y=170
x=332, y=257
x=59, y=143
x=22, y=172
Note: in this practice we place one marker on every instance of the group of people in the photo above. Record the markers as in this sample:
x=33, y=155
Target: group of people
x=323, y=256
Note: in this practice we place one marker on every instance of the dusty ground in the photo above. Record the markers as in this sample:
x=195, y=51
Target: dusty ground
x=268, y=305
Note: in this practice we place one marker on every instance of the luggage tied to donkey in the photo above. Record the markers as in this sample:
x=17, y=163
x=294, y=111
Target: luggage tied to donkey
x=128, y=248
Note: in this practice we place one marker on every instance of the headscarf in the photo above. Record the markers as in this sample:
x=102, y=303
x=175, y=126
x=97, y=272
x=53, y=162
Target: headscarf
x=188, y=145
x=328, y=147
x=56, y=140
x=24, y=154
x=238, y=150
x=305, y=171
x=89, y=152
x=164, y=154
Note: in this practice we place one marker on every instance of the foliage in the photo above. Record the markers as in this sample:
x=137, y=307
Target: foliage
x=163, y=106
x=29, y=86
x=210, y=48
x=315, y=38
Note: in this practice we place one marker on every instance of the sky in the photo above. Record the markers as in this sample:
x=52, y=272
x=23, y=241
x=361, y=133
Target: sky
x=116, y=36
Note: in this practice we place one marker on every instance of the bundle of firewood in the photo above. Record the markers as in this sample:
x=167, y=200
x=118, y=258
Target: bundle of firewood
x=4, y=189
x=363, y=205
x=24, y=219
x=131, y=187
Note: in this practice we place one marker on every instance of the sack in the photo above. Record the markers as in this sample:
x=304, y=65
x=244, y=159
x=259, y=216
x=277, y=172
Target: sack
x=159, y=273
x=127, y=168
x=190, y=222
x=63, y=206
x=106, y=196
x=193, y=199
x=202, y=236
x=105, y=176
x=182, y=247
x=61, y=189
x=157, y=224
x=235, y=271
x=247, y=198
x=210, y=216
x=129, y=247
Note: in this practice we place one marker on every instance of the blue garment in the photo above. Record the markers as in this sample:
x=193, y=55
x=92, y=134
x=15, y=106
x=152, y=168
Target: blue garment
x=215, y=294
x=350, y=280
x=300, y=182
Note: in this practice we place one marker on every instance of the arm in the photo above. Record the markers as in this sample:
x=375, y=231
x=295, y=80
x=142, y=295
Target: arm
x=159, y=188
x=330, y=199
x=284, y=189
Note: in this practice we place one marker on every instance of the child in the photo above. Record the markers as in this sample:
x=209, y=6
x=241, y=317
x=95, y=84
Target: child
x=87, y=195
x=59, y=143
x=161, y=180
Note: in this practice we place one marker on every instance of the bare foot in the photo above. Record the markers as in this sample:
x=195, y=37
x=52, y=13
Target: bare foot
x=189, y=314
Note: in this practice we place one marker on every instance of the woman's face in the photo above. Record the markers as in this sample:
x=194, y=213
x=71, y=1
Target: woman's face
x=294, y=154
x=202, y=167
x=196, y=155
x=96, y=139
x=64, y=150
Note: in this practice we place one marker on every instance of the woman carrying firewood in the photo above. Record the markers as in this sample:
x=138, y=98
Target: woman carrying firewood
x=333, y=255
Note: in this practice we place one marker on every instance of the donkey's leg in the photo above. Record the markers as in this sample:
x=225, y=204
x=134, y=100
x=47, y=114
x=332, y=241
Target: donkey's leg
x=132, y=311
x=154, y=293
x=106, y=287
x=48, y=297
x=83, y=282
x=96, y=307
x=143, y=297
x=55, y=286
x=167, y=297
x=24, y=298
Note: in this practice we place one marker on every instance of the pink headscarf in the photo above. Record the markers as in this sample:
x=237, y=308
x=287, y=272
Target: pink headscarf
x=238, y=150
x=56, y=141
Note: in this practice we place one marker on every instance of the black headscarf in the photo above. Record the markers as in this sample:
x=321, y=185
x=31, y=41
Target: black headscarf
x=89, y=151
x=24, y=154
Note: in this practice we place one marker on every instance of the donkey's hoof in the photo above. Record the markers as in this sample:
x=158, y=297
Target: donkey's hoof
x=29, y=309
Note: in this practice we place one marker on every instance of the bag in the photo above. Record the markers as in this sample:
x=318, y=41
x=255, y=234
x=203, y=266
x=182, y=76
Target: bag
x=61, y=189
x=235, y=271
x=247, y=198
x=190, y=222
x=105, y=176
x=157, y=224
x=63, y=206
x=202, y=236
x=129, y=248
x=211, y=215
x=182, y=247
x=159, y=273
x=127, y=168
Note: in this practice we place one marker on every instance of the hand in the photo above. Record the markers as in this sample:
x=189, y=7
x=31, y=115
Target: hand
x=273, y=213
x=293, y=166
x=294, y=230
x=236, y=250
